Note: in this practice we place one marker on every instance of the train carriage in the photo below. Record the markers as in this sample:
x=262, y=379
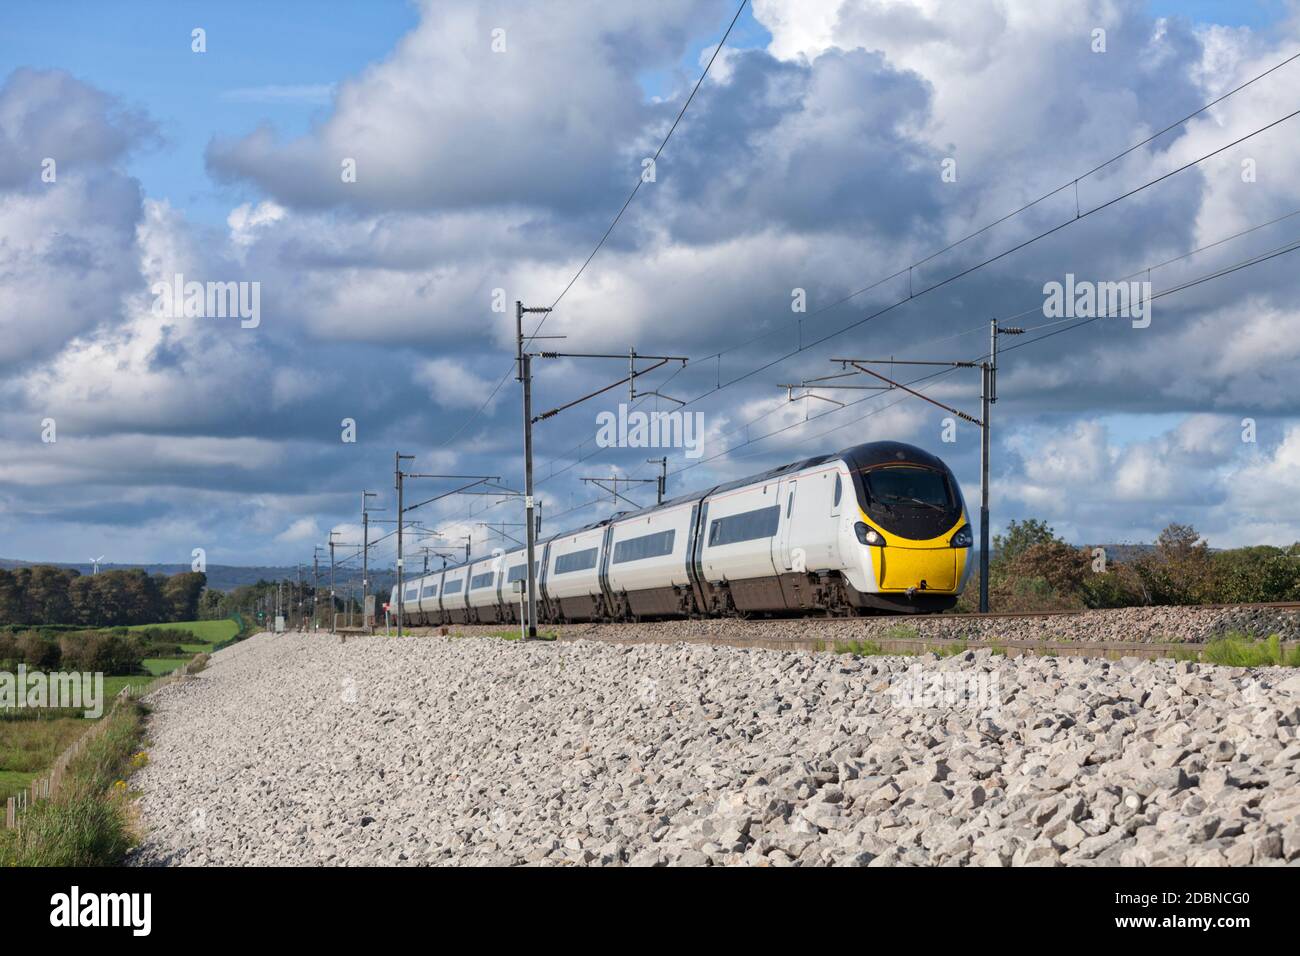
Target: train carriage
x=428, y=608
x=410, y=594
x=573, y=574
x=454, y=609
x=877, y=527
x=515, y=566
x=646, y=572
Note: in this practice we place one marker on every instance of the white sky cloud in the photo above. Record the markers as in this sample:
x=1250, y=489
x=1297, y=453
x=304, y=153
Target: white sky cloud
x=814, y=164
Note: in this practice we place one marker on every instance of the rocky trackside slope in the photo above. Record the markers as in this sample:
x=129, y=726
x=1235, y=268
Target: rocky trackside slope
x=304, y=750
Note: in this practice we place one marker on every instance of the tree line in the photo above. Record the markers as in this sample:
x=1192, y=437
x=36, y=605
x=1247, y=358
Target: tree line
x=1032, y=569
x=45, y=594
x=294, y=600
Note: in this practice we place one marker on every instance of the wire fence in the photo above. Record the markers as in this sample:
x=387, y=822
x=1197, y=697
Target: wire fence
x=48, y=785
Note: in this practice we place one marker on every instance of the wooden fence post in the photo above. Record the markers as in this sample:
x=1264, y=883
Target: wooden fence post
x=11, y=813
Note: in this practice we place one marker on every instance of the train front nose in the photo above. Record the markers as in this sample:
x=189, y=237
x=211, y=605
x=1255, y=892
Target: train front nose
x=901, y=568
x=916, y=566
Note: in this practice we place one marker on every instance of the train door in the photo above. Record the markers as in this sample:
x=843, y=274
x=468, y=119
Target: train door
x=785, y=558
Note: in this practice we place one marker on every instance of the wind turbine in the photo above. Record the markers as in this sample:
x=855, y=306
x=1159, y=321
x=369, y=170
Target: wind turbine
x=95, y=564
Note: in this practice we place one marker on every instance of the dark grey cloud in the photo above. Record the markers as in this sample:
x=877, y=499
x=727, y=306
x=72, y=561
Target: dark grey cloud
x=66, y=229
x=50, y=114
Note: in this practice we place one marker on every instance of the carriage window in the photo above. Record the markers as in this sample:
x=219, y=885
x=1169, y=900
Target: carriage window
x=747, y=526
x=517, y=572
x=646, y=546
x=576, y=561
x=411, y=594
x=430, y=590
x=453, y=587
x=484, y=580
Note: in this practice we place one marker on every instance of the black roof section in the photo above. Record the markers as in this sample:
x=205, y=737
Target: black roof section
x=876, y=453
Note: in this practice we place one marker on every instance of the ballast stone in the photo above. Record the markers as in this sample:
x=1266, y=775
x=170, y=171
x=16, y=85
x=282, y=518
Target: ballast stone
x=295, y=749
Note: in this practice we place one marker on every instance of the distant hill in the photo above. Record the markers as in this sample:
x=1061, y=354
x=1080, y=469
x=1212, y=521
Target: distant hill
x=221, y=577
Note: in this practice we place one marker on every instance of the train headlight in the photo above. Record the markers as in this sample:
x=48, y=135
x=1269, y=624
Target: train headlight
x=963, y=538
x=868, y=535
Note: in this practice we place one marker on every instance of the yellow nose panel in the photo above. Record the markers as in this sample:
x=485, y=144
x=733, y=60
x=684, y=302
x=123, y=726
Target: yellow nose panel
x=903, y=568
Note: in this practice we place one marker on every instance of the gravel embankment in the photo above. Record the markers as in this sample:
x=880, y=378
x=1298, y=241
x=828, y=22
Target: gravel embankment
x=304, y=750
x=1145, y=625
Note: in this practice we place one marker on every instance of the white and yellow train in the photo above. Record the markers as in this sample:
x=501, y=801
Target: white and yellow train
x=876, y=527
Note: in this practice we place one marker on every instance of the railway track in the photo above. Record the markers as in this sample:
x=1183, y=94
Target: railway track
x=1011, y=648
x=1182, y=632
x=1192, y=608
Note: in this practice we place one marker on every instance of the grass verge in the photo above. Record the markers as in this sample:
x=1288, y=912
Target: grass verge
x=1238, y=651
x=87, y=823
x=903, y=632
x=513, y=635
x=859, y=648
x=205, y=632
x=29, y=742
x=158, y=666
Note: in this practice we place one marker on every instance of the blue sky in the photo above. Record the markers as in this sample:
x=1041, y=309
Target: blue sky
x=809, y=160
x=123, y=48
x=1257, y=14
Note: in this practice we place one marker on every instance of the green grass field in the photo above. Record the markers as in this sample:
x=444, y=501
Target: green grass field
x=158, y=666
x=28, y=746
x=206, y=633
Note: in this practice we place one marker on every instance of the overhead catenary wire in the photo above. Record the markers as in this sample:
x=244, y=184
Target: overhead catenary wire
x=967, y=271
x=605, y=236
x=1286, y=248
x=1015, y=212
x=782, y=403
x=912, y=293
x=1080, y=214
